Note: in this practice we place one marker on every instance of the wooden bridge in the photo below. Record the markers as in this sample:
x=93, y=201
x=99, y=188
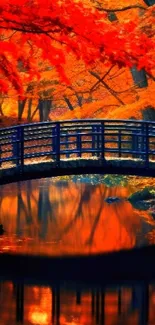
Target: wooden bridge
x=68, y=147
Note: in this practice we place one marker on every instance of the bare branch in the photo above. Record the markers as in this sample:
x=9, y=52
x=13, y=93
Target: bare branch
x=112, y=92
x=98, y=82
x=100, y=8
x=68, y=102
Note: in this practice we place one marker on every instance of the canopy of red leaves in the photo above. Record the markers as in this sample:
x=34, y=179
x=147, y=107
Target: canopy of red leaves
x=54, y=28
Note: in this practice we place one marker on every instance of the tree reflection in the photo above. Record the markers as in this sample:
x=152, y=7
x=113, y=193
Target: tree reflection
x=53, y=217
x=37, y=305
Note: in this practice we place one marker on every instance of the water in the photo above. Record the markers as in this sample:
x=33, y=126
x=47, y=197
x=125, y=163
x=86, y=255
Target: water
x=72, y=215
x=37, y=305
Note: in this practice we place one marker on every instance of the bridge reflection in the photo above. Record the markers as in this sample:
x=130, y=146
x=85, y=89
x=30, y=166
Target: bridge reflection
x=31, y=305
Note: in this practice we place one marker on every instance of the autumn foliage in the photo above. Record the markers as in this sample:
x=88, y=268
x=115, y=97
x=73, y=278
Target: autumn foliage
x=69, y=59
x=55, y=28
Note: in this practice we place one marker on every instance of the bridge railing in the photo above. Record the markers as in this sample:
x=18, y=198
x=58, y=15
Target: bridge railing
x=99, y=139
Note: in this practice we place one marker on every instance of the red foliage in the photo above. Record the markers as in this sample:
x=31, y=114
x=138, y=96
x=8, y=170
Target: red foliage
x=58, y=27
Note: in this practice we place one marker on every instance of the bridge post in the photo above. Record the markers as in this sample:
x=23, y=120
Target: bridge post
x=53, y=140
x=147, y=145
x=102, y=141
x=22, y=145
x=98, y=140
x=14, y=143
x=18, y=146
x=67, y=145
x=143, y=141
x=57, y=143
x=135, y=143
x=93, y=139
x=119, y=143
x=78, y=142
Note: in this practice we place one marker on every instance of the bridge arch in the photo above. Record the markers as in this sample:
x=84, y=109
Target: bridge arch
x=77, y=146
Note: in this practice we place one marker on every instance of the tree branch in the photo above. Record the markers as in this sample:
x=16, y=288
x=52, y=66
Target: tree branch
x=100, y=8
x=98, y=82
x=112, y=92
x=68, y=103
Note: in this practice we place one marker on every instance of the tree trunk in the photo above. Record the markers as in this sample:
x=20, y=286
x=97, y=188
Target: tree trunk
x=68, y=103
x=148, y=114
x=44, y=106
x=1, y=104
x=139, y=77
x=79, y=99
x=149, y=2
x=112, y=16
x=21, y=106
x=29, y=109
x=89, y=99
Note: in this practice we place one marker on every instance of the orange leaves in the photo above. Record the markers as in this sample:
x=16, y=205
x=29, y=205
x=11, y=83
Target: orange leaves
x=54, y=28
x=8, y=47
x=10, y=72
x=130, y=26
x=4, y=86
x=63, y=76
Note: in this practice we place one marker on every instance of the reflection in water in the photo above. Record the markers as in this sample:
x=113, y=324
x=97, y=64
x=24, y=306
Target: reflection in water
x=31, y=305
x=63, y=217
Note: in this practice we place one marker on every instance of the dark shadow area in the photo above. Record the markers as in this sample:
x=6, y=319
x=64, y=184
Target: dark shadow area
x=42, y=171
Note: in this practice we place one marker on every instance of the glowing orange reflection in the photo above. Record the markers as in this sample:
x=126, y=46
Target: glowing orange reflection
x=37, y=317
x=118, y=306
x=39, y=310
x=54, y=218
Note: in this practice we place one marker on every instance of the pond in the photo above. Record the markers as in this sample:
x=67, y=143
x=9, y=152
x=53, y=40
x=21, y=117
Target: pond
x=83, y=214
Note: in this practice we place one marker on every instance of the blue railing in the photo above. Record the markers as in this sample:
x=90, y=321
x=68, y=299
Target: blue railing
x=97, y=139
